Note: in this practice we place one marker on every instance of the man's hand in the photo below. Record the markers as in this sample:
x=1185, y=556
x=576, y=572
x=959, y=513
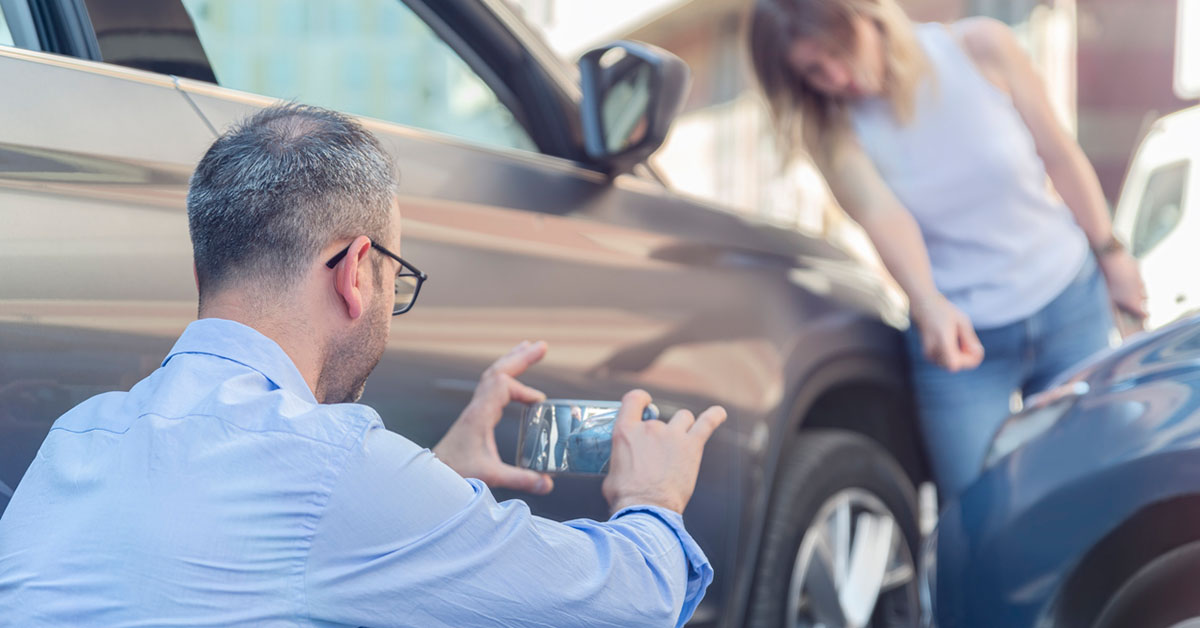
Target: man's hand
x=470, y=446
x=655, y=463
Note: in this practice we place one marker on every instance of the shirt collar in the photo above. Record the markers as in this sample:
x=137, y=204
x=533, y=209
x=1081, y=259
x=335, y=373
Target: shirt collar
x=245, y=345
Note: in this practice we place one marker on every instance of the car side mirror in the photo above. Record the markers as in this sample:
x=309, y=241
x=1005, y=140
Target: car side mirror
x=631, y=94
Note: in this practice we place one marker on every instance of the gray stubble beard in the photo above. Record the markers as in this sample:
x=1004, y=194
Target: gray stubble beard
x=349, y=361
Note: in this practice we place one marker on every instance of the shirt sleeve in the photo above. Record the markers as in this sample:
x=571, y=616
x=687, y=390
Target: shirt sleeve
x=406, y=541
x=699, y=571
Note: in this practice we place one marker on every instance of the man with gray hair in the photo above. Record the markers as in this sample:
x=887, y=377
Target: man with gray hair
x=239, y=484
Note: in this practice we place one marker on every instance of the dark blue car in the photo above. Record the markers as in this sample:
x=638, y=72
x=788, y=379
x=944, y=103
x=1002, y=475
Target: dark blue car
x=1087, y=512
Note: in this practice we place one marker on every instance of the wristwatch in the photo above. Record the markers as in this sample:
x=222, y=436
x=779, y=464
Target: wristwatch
x=1112, y=245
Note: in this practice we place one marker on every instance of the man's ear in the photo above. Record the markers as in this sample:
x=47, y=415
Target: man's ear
x=351, y=274
x=196, y=276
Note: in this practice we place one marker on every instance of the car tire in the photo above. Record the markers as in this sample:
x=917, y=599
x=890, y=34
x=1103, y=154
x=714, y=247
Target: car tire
x=840, y=500
x=1160, y=595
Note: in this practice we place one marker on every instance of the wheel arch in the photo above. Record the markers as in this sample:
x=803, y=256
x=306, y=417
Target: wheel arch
x=1150, y=533
x=854, y=391
x=880, y=410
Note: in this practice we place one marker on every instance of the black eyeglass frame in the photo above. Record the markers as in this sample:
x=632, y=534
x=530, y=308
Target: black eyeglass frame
x=410, y=271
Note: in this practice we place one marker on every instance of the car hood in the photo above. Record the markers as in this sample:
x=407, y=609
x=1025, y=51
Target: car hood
x=1165, y=352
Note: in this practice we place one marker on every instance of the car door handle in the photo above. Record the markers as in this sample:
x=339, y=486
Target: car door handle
x=1180, y=298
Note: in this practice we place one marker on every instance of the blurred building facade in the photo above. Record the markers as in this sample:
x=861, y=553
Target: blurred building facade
x=1107, y=64
x=1126, y=64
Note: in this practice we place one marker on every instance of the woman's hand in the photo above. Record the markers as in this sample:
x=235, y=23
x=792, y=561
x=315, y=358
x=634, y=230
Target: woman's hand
x=947, y=336
x=1125, y=286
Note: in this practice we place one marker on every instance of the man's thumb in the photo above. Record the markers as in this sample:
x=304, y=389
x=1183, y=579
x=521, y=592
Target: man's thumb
x=508, y=476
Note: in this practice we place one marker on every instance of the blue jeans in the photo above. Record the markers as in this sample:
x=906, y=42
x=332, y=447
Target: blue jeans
x=960, y=412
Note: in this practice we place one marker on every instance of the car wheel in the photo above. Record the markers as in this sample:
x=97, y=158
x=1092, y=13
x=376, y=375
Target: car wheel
x=1160, y=595
x=840, y=539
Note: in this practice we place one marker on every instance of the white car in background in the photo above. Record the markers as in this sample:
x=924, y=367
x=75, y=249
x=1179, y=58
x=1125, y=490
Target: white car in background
x=1157, y=216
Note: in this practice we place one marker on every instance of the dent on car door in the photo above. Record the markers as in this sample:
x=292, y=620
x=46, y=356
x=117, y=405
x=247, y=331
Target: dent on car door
x=97, y=281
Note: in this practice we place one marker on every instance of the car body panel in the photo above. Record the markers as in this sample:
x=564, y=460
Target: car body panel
x=1015, y=540
x=90, y=197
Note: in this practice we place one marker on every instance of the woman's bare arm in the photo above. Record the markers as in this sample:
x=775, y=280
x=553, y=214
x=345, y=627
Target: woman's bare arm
x=946, y=333
x=998, y=55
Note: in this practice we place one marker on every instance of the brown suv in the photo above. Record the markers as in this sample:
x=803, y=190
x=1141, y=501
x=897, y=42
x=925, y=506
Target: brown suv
x=527, y=199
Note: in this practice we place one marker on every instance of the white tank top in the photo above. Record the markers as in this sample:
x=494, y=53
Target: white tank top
x=966, y=167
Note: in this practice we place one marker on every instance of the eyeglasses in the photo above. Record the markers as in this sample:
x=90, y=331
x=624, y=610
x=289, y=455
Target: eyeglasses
x=408, y=281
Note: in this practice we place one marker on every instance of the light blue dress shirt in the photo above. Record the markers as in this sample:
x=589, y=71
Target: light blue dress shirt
x=218, y=492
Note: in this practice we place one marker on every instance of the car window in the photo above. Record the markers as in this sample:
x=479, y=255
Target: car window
x=149, y=35
x=6, y=38
x=367, y=57
x=16, y=25
x=1161, y=206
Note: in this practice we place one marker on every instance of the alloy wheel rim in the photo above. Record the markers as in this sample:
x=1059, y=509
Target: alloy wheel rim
x=852, y=556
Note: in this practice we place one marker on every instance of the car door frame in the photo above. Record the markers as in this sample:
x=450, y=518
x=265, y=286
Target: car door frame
x=516, y=63
x=63, y=27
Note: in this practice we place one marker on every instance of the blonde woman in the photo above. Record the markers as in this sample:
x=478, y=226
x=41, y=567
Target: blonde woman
x=938, y=140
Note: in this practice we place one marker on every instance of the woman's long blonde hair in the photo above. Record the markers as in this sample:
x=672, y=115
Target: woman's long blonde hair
x=804, y=116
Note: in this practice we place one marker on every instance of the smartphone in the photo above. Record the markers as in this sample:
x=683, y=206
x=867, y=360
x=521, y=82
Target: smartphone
x=570, y=435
